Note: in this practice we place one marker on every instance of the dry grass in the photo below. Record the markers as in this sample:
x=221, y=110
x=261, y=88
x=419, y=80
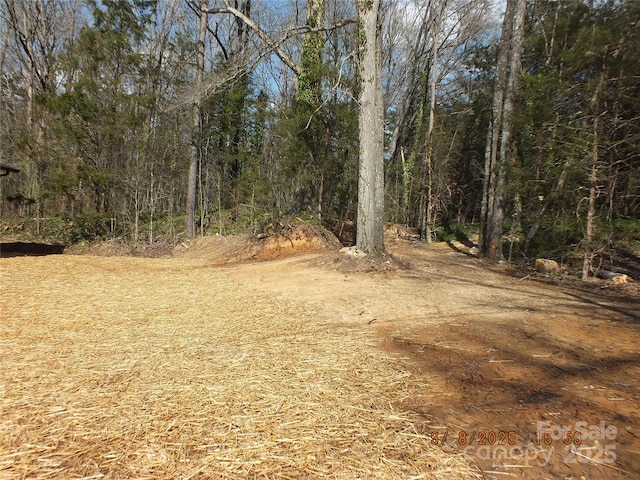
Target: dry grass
x=139, y=368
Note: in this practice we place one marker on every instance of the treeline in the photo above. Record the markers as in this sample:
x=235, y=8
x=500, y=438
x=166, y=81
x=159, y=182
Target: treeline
x=97, y=101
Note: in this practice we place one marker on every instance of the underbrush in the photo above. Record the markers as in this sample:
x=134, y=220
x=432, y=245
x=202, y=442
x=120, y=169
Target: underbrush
x=125, y=229
x=94, y=227
x=615, y=244
x=462, y=232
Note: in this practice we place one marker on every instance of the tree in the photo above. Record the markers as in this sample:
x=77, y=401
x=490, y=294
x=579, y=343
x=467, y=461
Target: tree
x=370, y=227
x=500, y=154
x=427, y=200
x=578, y=130
x=38, y=29
x=92, y=117
x=107, y=104
x=228, y=178
x=427, y=92
x=305, y=126
x=194, y=165
x=311, y=70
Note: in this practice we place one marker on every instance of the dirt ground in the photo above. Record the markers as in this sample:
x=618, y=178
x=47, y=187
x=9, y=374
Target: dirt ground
x=528, y=377
x=517, y=365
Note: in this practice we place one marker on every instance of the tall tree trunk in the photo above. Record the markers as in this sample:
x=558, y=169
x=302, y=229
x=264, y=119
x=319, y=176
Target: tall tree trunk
x=196, y=133
x=409, y=166
x=593, y=179
x=591, y=213
x=428, y=214
x=493, y=135
x=370, y=226
x=407, y=178
x=500, y=154
x=32, y=25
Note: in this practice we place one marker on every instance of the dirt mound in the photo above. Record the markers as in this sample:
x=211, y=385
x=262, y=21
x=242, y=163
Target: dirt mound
x=291, y=240
x=280, y=242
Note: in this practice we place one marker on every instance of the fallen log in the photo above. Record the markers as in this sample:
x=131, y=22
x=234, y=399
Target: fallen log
x=615, y=277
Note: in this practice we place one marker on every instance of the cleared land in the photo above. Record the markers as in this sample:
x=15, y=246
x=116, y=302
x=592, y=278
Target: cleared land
x=309, y=367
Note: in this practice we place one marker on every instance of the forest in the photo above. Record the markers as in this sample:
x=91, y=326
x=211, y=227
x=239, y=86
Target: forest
x=147, y=119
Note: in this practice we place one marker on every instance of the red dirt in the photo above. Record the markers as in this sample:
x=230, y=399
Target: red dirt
x=507, y=362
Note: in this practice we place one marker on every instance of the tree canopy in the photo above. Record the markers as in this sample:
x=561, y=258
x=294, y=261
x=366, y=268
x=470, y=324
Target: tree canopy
x=97, y=102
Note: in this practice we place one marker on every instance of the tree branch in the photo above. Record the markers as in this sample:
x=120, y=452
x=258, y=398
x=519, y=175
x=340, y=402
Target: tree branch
x=275, y=47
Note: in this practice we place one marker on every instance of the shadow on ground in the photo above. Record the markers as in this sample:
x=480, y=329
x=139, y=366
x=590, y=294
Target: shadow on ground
x=513, y=376
x=28, y=249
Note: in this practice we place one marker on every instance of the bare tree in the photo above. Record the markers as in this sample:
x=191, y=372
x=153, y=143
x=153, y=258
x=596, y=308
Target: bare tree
x=195, y=139
x=307, y=70
x=36, y=29
x=593, y=176
x=427, y=214
x=33, y=26
x=499, y=151
x=425, y=44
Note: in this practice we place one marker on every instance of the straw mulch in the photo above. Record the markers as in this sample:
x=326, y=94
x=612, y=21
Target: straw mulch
x=153, y=369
